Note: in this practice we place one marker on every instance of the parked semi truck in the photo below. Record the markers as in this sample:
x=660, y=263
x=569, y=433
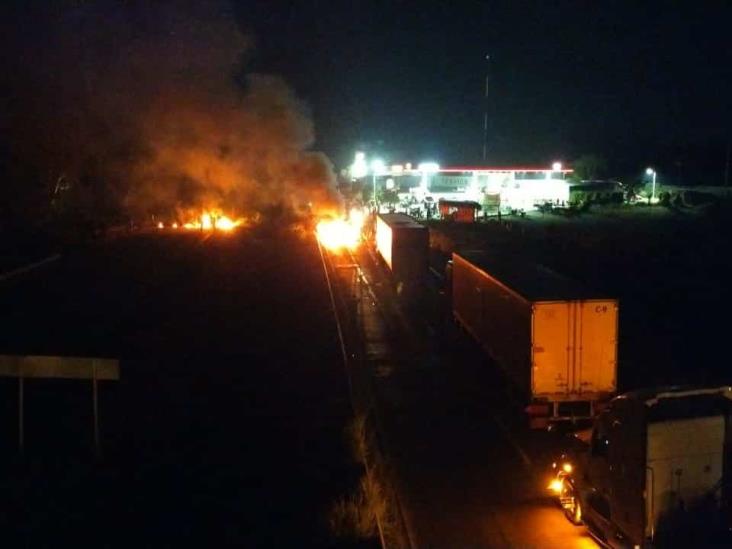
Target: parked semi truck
x=403, y=245
x=556, y=341
x=653, y=471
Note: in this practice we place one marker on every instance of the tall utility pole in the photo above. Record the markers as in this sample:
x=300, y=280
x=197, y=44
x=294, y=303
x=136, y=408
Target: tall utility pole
x=726, y=167
x=485, y=110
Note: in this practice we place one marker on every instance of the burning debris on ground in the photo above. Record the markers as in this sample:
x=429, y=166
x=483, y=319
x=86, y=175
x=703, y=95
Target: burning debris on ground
x=207, y=220
x=469, y=310
x=159, y=112
x=338, y=233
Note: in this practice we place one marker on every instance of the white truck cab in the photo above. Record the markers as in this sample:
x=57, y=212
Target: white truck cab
x=654, y=470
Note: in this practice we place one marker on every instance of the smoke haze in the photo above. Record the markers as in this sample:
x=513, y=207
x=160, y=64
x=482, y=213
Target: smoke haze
x=152, y=108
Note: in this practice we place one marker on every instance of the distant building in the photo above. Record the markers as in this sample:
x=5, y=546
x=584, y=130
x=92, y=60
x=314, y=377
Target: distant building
x=493, y=188
x=461, y=211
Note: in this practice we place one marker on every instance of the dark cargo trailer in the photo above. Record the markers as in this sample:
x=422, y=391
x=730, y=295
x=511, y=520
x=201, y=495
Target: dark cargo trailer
x=556, y=341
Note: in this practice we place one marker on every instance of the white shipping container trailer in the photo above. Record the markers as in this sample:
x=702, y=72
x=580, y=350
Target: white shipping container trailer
x=556, y=340
x=403, y=244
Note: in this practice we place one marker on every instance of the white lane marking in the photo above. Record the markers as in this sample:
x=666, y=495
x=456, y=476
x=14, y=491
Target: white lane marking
x=29, y=267
x=437, y=274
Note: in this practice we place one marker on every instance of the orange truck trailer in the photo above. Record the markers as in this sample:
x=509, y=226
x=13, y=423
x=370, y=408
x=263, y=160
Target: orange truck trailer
x=556, y=341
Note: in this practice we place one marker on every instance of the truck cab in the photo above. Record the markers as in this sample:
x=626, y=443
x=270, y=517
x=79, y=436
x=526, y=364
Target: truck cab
x=654, y=470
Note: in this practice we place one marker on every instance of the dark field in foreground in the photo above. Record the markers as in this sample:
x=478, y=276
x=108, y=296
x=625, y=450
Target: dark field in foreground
x=226, y=427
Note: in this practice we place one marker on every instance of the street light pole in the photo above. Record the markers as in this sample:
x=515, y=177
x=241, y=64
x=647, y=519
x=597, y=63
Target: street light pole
x=652, y=173
x=485, y=110
x=373, y=180
x=377, y=168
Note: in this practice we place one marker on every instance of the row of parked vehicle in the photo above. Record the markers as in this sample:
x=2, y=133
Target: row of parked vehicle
x=641, y=469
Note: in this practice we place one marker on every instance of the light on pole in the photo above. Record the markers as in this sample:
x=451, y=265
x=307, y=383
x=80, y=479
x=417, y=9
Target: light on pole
x=652, y=173
x=485, y=109
x=359, y=168
x=377, y=166
x=426, y=169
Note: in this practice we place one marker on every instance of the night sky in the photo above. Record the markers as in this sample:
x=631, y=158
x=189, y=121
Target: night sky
x=636, y=82
x=639, y=83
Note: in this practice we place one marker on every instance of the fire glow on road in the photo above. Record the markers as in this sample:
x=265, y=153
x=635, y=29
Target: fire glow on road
x=338, y=234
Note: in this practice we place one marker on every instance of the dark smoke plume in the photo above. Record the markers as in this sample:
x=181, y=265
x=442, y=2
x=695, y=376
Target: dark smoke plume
x=152, y=109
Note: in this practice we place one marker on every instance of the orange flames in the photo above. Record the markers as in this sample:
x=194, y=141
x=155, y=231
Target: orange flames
x=208, y=220
x=211, y=220
x=338, y=234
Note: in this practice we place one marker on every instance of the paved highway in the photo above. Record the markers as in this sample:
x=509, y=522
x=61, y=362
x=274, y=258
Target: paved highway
x=227, y=424
x=469, y=472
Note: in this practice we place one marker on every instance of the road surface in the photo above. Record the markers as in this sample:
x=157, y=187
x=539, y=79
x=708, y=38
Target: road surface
x=469, y=472
x=226, y=428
